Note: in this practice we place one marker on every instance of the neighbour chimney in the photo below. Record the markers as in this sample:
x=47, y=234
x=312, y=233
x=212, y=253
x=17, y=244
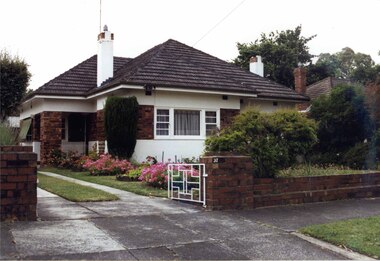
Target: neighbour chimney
x=256, y=66
x=300, y=80
x=105, y=56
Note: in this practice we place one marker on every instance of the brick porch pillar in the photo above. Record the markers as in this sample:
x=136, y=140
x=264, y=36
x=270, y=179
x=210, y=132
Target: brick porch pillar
x=227, y=116
x=100, y=135
x=51, y=133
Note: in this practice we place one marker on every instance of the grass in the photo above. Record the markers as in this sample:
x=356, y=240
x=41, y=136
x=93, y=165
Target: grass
x=110, y=181
x=72, y=191
x=361, y=234
x=307, y=170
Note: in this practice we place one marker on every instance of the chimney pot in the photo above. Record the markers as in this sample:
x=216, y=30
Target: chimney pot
x=256, y=66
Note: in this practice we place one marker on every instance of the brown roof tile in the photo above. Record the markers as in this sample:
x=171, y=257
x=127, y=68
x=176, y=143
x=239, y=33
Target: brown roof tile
x=173, y=65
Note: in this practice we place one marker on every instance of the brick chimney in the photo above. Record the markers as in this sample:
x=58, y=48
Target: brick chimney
x=300, y=80
x=105, y=56
x=300, y=86
x=256, y=66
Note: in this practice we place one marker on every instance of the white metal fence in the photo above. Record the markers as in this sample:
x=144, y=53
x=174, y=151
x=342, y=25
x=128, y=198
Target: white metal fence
x=187, y=182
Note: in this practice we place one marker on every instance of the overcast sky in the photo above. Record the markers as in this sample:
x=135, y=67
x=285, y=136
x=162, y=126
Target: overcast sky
x=55, y=35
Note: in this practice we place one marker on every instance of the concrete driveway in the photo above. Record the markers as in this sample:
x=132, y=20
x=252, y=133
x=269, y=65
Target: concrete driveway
x=142, y=228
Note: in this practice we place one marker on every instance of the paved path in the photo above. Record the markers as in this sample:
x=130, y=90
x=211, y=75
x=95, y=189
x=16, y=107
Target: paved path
x=137, y=227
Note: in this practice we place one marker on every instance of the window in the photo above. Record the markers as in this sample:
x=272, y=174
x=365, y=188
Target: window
x=187, y=122
x=162, y=123
x=211, y=123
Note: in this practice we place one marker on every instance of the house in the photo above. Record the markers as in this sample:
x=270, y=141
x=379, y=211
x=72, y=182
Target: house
x=183, y=94
x=319, y=88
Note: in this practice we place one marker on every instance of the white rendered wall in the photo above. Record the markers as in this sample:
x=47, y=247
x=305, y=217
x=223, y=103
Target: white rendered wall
x=266, y=106
x=63, y=105
x=169, y=148
x=79, y=147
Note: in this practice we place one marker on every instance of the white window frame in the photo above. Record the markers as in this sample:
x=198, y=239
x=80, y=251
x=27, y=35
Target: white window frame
x=171, y=135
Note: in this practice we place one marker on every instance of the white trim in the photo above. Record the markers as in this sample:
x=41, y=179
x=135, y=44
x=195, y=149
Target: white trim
x=275, y=99
x=124, y=86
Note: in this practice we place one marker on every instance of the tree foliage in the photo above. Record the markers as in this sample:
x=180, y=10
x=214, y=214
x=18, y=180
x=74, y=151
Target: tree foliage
x=272, y=140
x=120, y=122
x=281, y=52
x=14, y=79
x=346, y=64
x=343, y=121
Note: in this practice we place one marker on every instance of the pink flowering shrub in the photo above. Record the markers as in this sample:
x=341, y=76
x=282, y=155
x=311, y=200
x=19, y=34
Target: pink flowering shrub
x=106, y=165
x=155, y=175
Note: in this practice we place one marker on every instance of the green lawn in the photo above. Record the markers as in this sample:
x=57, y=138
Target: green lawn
x=305, y=170
x=110, y=181
x=361, y=234
x=72, y=191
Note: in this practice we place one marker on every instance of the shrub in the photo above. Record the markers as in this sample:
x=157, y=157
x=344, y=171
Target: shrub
x=131, y=175
x=155, y=175
x=360, y=156
x=55, y=158
x=8, y=134
x=120, y=122
x=343, y=121
x=273, y=141
x=106, y=165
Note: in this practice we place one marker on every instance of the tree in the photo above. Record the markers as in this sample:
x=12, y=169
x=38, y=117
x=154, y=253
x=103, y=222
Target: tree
x=120, y=125
x=347, y=64
x=343, y=121
x=14, y=79
x=271, y=140
x=281, y=53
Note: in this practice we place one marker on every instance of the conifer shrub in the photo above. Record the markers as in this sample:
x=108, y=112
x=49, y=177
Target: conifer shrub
x=120, y=122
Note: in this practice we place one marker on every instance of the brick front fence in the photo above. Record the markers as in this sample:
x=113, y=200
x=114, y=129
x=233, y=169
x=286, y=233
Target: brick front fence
x=230, y=185
x=18, y=185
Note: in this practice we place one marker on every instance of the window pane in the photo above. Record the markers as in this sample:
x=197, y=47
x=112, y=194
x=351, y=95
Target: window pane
x=211, y=114
x=162, y=124
x=186, y=122
x=210, y=120
x=210, y=129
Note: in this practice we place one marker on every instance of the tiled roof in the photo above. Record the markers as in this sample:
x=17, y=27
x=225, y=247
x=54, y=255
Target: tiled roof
x=78, y=80
x=176, y=65
x=172, y=65
x=324, y=86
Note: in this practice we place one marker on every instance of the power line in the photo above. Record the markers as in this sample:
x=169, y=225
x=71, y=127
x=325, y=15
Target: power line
x=218, y=23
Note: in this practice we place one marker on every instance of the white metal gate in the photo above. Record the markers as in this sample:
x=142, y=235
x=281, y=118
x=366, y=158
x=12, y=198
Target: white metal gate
x=187, y=182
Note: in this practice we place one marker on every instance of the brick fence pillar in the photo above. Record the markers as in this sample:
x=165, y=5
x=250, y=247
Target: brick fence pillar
x=18, y=184
x=229, y=184
x=51, y=133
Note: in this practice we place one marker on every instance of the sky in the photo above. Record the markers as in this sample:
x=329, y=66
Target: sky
x=54, y=35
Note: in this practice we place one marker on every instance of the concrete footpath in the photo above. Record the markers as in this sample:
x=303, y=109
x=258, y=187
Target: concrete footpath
x=142, y=228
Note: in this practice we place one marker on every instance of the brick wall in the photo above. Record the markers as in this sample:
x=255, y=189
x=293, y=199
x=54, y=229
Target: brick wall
x=51, y=133
x=230, y=185
x=91, y=127
x=227, y=116
x=229, y=182
x=18, y=183
x=283, y=191
x=145, y=124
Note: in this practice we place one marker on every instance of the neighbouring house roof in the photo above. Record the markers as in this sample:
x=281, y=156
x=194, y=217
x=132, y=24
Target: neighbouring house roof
x=172, y=65
x=324, y=86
